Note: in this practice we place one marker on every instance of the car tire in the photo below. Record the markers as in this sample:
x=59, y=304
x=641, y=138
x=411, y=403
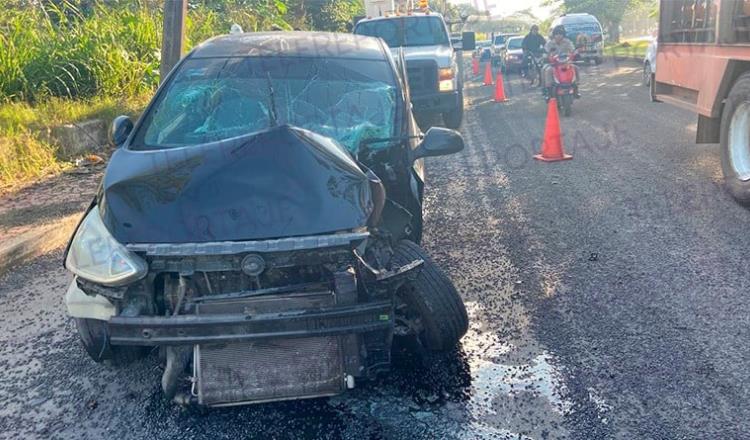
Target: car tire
x=597, y=61
x=434, y=298
x=652, y=88
x=735, y=140
x=455, y=117
x=95, y=339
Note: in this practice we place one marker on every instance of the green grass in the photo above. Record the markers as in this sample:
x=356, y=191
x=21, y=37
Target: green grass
x=26, y=152
x=83, y=49
x=72, y=60
x=24, y=157
x=627, y=49
x=57, y=51
x=61, y=64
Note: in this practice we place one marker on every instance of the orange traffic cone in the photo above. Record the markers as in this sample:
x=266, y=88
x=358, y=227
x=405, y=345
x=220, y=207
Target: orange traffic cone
x=475, y=66
x=552, y=146
x=488, y=74
x=500, y=89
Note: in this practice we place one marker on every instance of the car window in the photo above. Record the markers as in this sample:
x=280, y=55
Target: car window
x=587, y=28
x=214, y=99
x=515, y=43
x=499, y=40
x=407, y=31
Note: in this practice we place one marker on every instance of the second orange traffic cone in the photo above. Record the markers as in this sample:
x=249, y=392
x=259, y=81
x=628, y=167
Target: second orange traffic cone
x=500, y=89
x=552, y=145
x=475, y=66
x=488, y=74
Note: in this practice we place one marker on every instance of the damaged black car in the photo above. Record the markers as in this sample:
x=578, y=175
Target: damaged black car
x=259, y=225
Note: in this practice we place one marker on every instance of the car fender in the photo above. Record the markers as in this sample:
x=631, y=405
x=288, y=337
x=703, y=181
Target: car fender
x=81, y=305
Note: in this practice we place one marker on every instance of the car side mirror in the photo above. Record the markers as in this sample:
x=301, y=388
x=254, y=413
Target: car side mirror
x=438, y=142
x=468, y=41
x=121, y=128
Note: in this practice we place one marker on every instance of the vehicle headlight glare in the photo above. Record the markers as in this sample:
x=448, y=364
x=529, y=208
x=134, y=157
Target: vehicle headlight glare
x=96, y=256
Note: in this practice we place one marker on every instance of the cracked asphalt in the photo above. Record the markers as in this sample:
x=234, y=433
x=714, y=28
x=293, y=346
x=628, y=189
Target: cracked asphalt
x=608, y=298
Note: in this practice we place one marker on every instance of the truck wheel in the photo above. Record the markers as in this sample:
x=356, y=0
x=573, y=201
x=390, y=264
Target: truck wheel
x=455, y=117
x=434, y=299
x=735, y=140
x=93, y=335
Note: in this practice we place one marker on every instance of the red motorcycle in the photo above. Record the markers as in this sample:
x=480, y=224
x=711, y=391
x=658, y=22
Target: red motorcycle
x=566, y=82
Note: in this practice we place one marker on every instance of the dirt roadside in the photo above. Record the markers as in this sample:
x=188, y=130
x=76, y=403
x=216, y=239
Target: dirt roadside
x=40, y=217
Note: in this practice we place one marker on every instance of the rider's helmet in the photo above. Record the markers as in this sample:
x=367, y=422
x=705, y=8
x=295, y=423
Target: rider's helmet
x=559, y=30
x=534, y=28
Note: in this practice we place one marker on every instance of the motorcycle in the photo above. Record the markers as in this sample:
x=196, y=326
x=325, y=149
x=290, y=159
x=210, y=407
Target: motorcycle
x=564, y=75
x=533, y=68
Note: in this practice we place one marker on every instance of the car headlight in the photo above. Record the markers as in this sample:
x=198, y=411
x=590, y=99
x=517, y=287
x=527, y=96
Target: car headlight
x=96, y=256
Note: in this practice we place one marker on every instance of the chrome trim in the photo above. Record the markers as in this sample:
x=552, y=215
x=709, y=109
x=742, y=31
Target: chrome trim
x=239, y=247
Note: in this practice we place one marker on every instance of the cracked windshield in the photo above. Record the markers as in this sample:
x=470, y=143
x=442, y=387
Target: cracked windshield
x=374, y=219
x=214, y=99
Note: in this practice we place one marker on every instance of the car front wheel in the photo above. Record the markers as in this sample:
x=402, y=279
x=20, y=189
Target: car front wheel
x=95, y=339
x=433, y=299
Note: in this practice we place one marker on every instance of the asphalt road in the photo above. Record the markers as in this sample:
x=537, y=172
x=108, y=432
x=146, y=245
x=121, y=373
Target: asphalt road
x=608, y=298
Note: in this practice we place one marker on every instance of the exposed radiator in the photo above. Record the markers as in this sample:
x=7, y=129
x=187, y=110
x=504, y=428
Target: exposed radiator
x=277, y=369
x=268, y=370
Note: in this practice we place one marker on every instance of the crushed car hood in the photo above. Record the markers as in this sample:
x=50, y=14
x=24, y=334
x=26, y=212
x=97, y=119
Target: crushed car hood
x=282, y=182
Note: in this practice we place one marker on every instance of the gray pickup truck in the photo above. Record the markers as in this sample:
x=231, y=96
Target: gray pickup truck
x=432, y=62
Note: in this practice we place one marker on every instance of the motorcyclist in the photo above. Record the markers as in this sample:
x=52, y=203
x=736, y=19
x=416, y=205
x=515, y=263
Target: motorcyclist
x=533, y=44
x=558, y=44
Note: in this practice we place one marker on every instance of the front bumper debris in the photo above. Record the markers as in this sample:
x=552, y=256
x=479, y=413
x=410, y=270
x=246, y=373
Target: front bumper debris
x=198, y=329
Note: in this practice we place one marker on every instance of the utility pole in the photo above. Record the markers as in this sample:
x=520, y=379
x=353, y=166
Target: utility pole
x=173, y=35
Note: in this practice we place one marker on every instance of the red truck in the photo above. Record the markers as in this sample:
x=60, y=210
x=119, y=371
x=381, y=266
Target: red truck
x=703, y=64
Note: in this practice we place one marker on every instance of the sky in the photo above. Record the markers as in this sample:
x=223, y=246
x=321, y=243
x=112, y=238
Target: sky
x=507, y=7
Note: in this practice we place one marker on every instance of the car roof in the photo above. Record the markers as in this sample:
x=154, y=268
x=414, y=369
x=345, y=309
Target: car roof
x=516, y=37
x=393, y=17
x=292, y=44
x=576, y=18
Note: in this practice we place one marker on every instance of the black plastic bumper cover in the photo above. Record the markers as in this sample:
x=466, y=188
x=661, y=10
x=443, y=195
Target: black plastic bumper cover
x=198, y=329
